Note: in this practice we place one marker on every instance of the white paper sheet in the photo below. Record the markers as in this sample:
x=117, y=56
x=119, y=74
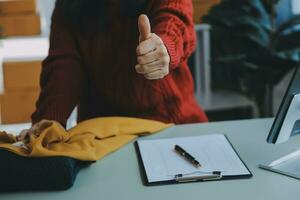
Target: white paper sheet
x=214, y=152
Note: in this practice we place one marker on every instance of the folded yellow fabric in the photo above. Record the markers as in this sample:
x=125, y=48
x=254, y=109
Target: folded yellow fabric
x=89, y=141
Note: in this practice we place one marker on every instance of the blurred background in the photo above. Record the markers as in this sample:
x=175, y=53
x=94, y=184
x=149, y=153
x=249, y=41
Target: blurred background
x=246, y=52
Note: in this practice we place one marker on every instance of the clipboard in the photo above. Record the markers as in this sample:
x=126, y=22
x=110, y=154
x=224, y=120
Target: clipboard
x=171, y=168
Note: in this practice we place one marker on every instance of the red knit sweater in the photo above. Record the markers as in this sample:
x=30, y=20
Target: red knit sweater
x=97, y=74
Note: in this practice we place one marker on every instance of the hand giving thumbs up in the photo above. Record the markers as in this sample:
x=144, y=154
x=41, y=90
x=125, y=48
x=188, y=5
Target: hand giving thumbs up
x=152, y=55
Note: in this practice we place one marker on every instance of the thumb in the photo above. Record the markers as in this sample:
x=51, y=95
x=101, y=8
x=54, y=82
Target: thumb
x=144, y=27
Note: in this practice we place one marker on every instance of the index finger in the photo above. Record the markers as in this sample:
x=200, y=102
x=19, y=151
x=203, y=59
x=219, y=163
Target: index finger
x=148, y=46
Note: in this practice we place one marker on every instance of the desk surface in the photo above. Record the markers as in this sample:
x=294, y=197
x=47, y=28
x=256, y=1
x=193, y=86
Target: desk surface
x=117, y=176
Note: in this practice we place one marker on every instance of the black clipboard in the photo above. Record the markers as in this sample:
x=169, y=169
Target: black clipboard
x=146, y=181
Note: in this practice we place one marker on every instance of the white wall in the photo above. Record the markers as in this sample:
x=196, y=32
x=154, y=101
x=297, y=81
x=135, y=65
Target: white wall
x=45, y=8
x=296, y=7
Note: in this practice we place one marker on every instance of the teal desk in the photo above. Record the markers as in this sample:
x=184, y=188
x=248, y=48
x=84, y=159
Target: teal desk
x=117, y=176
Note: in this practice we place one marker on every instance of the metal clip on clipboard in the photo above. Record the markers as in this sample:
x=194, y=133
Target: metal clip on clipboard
x=182, y=178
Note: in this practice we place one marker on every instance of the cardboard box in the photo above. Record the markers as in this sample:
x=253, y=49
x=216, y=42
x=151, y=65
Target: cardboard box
x=17, y=107
x=21, y=75
x=8, y=7
x=20, y=25
x=202, y=7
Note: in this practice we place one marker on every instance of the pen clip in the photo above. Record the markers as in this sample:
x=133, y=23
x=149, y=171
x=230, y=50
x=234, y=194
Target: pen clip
x=181, y=178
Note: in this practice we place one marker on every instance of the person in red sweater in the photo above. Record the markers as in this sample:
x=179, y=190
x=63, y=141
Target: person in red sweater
x=109, y=59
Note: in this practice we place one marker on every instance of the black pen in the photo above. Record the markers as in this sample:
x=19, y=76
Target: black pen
x=187, y=156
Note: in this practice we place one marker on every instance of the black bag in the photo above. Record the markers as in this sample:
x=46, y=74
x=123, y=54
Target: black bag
x=31, y=174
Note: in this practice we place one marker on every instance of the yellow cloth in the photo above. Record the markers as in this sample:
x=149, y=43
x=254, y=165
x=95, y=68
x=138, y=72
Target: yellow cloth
x=89, y=141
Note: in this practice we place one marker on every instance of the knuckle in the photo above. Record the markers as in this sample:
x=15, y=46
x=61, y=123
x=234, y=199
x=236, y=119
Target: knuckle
x=139, y=50
x=140, y=60
x=161, y=52
x=160, y=76
x=164, y=61
x=148, y=77
x=167, y=58
x=145, y=69
x=158, y=40
x=166, y=71
x=139, y=69
x=165, y=50
x=153, y=39
x=154, y=35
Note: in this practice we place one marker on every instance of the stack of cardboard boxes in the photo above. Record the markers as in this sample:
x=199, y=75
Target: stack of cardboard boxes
x=21, y=78
x=202, y=7
x=21, y=90
x=19, y=18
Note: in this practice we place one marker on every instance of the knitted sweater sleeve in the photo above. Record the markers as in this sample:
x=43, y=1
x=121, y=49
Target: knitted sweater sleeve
x=62, y=77
x=172, y=21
